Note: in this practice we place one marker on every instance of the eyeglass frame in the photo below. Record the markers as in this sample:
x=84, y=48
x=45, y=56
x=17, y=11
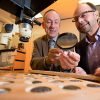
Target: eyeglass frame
x=81, y=15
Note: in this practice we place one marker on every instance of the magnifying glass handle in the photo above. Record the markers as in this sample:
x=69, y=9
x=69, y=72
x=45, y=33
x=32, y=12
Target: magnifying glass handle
x=72, y=70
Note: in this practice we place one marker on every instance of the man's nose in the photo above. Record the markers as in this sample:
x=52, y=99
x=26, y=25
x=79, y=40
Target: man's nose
x=80, y=19
x=52, y=24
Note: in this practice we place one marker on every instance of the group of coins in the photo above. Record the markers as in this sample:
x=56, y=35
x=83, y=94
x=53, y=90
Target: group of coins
x=32, y=79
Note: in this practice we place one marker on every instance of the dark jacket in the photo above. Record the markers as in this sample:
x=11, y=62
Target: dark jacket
x=81, y=49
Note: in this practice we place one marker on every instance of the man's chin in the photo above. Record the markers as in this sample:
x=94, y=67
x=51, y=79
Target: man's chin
x=52, y=36
x=82, y=31
x=52, y=32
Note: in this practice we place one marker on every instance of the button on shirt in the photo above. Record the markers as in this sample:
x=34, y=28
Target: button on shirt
x=94, y=53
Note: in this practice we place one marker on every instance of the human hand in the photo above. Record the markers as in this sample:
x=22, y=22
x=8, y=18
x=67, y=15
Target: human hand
x=53, y=55
x=97, y=72
x=69, y=60
x=79, y=70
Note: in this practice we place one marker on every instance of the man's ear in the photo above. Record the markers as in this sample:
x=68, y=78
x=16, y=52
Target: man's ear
x=97, y=14
x=43, y=24
x=60, y=24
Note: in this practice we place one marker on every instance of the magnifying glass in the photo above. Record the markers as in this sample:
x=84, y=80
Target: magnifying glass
x=66, y=41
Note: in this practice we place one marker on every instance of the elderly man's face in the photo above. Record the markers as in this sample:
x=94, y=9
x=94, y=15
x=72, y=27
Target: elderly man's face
x=52, y=24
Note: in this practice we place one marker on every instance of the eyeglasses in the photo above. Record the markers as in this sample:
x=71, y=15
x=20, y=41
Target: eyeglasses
x=82, y=15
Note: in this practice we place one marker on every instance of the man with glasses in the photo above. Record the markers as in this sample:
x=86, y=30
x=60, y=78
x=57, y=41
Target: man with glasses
x=85, y=18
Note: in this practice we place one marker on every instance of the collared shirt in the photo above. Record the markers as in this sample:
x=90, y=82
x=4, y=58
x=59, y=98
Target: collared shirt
x=55, y=38
x=94, y=53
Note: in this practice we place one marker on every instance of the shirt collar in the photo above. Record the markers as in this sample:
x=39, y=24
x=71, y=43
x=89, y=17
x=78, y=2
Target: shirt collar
x=98, y=33
x=96, y=36
x=55, y=38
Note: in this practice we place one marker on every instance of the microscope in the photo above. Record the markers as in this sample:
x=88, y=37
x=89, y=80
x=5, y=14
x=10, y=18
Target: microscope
x=24, y=12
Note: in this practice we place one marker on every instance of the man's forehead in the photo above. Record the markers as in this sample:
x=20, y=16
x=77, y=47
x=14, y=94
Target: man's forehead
x=82, y=8
x=53, y=19
x=52, y=14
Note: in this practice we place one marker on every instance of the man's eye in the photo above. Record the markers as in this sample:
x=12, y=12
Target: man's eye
x=48, y=21
x=83, y=15
x=56, y=22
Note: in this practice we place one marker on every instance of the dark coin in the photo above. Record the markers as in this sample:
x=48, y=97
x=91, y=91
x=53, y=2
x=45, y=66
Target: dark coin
x=35, y=82
x=4, y=90
x=93, y=85
x=11, y=81
x=71, y=87
x=41, y=89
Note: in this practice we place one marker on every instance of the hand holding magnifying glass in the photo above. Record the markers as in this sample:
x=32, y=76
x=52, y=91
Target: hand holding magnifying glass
x=68, y=59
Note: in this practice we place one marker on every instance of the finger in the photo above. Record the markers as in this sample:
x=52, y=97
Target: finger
x=76, y=70
x=65, y=63
x=97, y=70
x=56, y=50
x=70, y=59
x=79, y=70
x=97, y=74
x=53, y=58
x=53, y=55
x=51, y=61
x=74, y=56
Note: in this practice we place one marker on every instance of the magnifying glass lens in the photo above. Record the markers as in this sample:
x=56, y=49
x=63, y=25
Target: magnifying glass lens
x=66, y=40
